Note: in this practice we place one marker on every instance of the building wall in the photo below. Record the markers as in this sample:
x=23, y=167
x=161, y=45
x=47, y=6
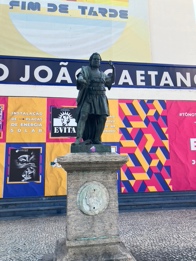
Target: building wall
x=153, y=124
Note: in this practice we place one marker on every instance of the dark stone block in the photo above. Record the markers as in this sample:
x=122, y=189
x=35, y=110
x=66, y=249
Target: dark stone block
x=90, y=148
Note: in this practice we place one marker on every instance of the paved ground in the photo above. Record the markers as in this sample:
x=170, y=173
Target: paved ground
x=166, y=235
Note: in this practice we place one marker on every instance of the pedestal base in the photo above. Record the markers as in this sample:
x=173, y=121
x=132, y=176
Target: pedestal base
x=92, y=207
x=96, y=252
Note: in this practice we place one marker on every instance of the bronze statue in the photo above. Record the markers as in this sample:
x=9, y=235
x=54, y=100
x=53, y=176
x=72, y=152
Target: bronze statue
x=92, y=103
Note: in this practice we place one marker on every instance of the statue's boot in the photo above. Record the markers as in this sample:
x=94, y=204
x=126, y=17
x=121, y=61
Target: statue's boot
x=80, y=130
x=78, y=141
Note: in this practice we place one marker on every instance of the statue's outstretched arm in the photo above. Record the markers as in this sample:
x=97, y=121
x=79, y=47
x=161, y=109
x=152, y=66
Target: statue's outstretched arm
x=111, y=78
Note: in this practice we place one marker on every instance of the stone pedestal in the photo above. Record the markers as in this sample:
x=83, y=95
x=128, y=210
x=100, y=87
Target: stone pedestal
x=92, y=208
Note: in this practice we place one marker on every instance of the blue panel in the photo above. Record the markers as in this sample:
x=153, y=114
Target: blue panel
x=146, y=156
x=129, y=174
x=159, y=166
x=168, y=169
x=126, y=134
x=126, y=122
x=138, y=137
x=149, y=172
x=164, y=119
x=134, y=160
x=153, y=149
x=165, y=152
x=162, y=182
x=156, y=115
x=146, y=121
x=163, y=104
x=132, y=109
x=144, y=106
x=159, y=131
x=24, y=170
x=142, y=187
x=128, y=186
x=150, y=101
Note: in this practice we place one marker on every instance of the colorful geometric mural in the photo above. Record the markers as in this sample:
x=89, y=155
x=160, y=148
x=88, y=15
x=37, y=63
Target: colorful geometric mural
x=159, y=138
x=144, y=139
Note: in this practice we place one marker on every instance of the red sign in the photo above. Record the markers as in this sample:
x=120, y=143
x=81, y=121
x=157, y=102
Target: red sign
x=182, y=143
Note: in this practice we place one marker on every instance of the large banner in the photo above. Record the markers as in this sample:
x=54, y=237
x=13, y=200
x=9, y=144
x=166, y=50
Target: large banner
x=158, y=136
x=62, y=72
x=118, y=29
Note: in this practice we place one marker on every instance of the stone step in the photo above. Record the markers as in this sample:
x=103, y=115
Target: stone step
x=26, y=203
x=127, y=202
x=32, y=211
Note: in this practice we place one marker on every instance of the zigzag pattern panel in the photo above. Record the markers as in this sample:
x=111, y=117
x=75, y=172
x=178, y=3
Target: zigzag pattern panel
x=143, y=137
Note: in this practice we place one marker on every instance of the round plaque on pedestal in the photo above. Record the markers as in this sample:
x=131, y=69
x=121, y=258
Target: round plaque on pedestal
x=92, y=198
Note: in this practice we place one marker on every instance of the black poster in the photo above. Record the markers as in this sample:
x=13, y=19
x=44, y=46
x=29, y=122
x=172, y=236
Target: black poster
x=24, y=165
x=63, y=122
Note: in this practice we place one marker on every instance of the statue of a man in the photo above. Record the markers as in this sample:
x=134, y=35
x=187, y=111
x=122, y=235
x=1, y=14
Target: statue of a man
x=92, y=103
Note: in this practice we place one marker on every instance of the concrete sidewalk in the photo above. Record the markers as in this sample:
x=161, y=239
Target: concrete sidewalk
x=166, y=235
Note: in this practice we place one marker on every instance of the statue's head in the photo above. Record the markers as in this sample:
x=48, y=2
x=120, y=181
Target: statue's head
x=95, y=60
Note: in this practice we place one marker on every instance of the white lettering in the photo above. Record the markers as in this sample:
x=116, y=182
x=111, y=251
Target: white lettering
x=14, y=124
x=27, y=74
x=5, y=72
x=193, y=143
x=180, y=78
x=43, y=68
x=152, y=75
x=30, y=124
x=139, y=77
x=125, y=78
x=166, y=79
x=64, y=130
x=64, y=74
x=26, y=130
x=108, y=71
x=195, y=79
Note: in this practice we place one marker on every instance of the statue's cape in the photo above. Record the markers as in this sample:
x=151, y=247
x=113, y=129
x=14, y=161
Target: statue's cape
x=85, y=72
